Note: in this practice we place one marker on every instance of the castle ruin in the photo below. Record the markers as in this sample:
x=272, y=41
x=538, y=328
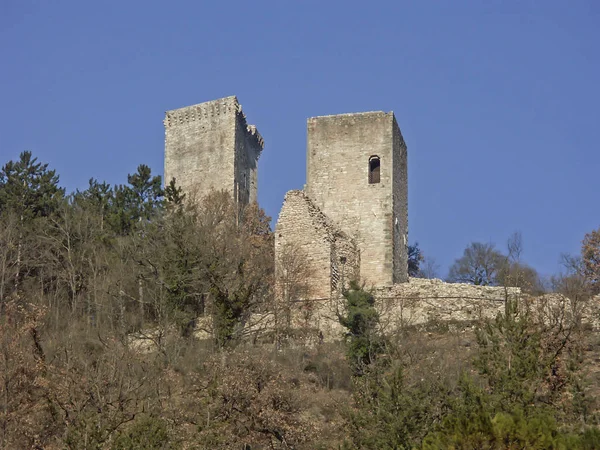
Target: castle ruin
x=350, y=221
x=351, y=218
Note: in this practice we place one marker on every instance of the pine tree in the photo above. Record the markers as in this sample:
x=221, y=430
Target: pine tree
x=174, y=195
x=29, y=188
x=137, y=202
x=28, y=191
x=145, y=193
x=361, y=320
x=98, y=198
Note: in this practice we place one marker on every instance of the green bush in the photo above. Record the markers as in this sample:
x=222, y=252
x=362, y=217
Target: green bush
x=145, y=433
x=361, y=320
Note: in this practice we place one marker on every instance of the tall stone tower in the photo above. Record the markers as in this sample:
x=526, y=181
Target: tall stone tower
x=357, y=176
x=210, y=146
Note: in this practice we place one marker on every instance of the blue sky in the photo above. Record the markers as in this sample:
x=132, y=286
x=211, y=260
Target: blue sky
x=498, y=101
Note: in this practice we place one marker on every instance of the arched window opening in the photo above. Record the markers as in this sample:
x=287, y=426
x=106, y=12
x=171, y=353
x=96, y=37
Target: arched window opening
x=374, y=169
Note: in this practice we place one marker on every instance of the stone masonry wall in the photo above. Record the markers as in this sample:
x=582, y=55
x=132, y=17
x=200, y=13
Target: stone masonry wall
x=419, y=302
x=248, y=147
x=331, y=255
x=338, y=152
x=422, y=302
x=415, y=303
x=210, y=146
x=400, y=193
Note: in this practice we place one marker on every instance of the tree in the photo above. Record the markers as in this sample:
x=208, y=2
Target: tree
x=169, y=257
x=479, y=265
x=361, y=319
x=415, y=258
x=590, y=257
x=137, y=202
x=293, y=272
x=146, y=192
x=98, y=198
x=429, y=268
x=517, y=274
x=29, y=188
x=237, y=262
x=22, y=364
x=9, y=241
x=529, y=369
x=174, y=195
x=29, y=191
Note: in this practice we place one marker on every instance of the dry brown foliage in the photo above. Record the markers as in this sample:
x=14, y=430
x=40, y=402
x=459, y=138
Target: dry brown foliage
x=590, y=253
x=22, y=367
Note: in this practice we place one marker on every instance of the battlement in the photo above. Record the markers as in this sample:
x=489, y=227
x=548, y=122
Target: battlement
x=213, y=108
x=251, y=130
x=202, y=111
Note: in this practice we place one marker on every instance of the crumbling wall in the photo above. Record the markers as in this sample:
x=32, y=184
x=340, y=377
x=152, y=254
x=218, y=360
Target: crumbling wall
x=332, y=256
x=418, y=302
x=423, y=302
x=248, y=147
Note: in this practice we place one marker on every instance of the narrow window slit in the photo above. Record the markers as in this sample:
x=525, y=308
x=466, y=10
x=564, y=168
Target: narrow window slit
x=374, y=169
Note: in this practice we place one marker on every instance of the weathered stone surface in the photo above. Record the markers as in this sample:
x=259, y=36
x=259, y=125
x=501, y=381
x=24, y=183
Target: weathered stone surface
x=346, y=226
x=375, y=215
x=421, y=302
x=332, y=255
x=369, y=216
x=210, y=146
x=418, y=302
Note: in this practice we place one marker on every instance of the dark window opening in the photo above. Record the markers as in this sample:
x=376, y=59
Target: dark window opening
x=374, y=169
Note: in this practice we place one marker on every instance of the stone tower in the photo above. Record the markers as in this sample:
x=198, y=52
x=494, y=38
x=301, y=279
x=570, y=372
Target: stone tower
x=357, y=176
x=210, y=146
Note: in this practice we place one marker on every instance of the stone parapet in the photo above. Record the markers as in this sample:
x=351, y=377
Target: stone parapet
x=202, y=111
x=206, y=110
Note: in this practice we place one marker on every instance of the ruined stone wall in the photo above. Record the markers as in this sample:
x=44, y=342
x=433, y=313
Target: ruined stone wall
x=248, y=146
x=419, y=302
x=415, y=303
x=423, y=301
x=331, y=255
x=210, y=146
x=338, y=152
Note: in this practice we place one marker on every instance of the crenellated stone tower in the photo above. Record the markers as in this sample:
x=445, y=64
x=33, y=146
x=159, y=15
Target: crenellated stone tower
x=211, y=146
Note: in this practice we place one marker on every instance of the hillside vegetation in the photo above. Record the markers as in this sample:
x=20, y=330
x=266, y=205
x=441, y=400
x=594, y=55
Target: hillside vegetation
x=102, y=293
